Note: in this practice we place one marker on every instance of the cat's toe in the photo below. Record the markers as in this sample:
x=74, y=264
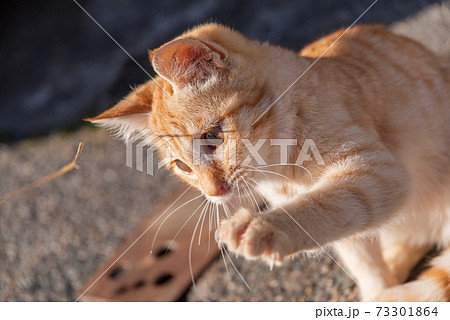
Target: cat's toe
x=251, y=236
x=232, y=230
x=262, y=240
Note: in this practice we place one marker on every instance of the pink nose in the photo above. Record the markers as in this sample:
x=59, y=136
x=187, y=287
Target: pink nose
x=218, y=191
x=214, y=188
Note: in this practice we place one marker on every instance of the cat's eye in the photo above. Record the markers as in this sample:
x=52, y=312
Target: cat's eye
x=213, y=138
x=183, y=166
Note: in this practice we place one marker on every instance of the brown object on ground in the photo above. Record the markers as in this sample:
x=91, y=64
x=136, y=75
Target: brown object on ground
x=134, y=273
x=68, y=167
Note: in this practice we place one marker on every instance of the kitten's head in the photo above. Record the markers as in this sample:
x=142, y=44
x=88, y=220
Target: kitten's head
x=213, y=84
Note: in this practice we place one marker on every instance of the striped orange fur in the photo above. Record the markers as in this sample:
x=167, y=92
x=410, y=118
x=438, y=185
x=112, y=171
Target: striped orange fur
x=377, y=107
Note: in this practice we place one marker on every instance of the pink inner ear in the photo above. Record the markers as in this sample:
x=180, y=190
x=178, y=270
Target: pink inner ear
x=185, y=60
x=186, y=54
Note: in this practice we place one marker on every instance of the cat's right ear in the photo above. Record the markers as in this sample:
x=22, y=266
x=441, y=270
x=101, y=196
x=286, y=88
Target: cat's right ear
x=130, y=115
x=184, y=61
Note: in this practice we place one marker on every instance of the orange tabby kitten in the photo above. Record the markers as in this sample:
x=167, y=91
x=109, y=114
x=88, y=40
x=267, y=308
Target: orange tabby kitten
x=376, y=107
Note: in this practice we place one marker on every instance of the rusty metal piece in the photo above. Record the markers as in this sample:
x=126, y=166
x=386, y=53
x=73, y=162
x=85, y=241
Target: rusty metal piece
x=163, y=275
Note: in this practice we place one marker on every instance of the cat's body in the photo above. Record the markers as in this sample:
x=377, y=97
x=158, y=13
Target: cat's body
x=376, y=105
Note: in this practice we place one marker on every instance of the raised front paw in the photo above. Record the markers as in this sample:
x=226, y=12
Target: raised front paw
x=253, y=236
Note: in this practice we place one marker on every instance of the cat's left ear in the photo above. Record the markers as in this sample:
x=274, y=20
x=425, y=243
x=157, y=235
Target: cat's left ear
x=186, y=61
x=130, y=115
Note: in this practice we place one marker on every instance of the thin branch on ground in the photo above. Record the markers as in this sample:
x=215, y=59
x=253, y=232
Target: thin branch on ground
x=68, y=167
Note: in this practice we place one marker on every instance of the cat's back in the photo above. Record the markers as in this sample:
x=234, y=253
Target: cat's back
x=400, y=72
x=375, y=46
x=368, y=40
x=397, y=83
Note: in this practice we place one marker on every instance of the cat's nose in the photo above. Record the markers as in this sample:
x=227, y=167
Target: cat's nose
x=219, y=190
x=215, y=188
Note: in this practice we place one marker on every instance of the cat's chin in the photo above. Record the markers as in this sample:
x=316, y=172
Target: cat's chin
x=219, y=199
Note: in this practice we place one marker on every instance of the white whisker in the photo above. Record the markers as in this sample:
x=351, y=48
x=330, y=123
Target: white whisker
x=218, y=216
x=272, y=172
x=222, y=248
x=167, y=217
x=190, y=253
x=203, y=213
x=288, y=164
x=226, y=210
x=250, y=203
x=253, y=196
x=184, y=224
x=259, y=192
x=210, y=213
x=240, y=275
x=239, y=194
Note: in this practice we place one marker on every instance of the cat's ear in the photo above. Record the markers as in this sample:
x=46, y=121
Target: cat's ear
x=130, y=115
x=185, y=61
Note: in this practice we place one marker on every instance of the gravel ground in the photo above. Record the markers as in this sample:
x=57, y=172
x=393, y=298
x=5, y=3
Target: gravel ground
x=300, y=279
x=54, y=236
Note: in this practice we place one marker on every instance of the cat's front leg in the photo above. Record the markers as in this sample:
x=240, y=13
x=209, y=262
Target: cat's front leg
x=353, y=196
x=254, y=236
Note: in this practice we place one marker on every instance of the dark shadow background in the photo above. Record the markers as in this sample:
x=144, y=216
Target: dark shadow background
x=58, y=66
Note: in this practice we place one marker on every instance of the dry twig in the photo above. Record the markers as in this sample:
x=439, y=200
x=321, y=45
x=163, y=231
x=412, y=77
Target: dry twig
x=72, y=165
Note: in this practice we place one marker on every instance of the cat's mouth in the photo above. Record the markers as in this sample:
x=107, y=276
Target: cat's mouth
x=219, y=199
